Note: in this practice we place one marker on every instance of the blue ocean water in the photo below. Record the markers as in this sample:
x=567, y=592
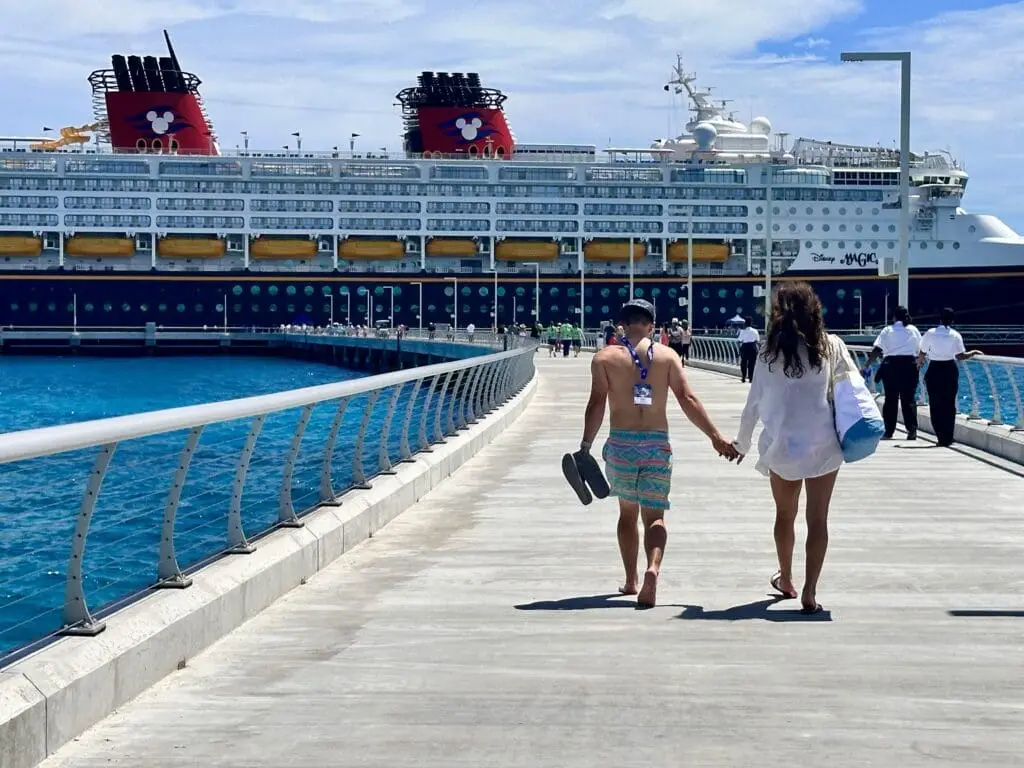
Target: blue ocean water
x=39, y=499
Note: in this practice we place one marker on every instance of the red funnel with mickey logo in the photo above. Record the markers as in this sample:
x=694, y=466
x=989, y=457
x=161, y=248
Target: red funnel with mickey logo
x=452, y=114
x=151, y=105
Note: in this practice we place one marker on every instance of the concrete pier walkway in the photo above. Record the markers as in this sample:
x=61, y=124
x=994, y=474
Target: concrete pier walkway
x=482, y=627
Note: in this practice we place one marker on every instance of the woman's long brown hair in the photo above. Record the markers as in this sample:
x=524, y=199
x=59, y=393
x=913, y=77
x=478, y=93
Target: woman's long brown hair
x=795, y=318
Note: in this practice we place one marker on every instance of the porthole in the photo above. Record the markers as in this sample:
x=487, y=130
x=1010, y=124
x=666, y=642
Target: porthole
x=775, y=227
x=254, y=290
x=220, y=307
x=255, y=308
x=722, y=293
x=32, y=306
x=874, y=245
x=180, y=307
x=776, y=210
x=874, y=211
x=841, y=244
x=273, y=307
x=705, y=293
x=825, y=211
x=199, y=308
x=126, y=307
x=107, y=306
x=940, y=245
x=809, y=227
x=326, y=290
x=759, y=227
x=237, y=290
x=163, y=308
x=465, y=291
x=721, y=310
x=808, y=244
x=88, y=307
x=892, y=227
x=842, y=211
x=707, y=310
x=874, y=227
x=842, y=227
x=759, y=210
x=956, y=245
x=859, y=227
x=483, y=290
x=290, y=290
x=825, y=227
x=860, y=211
x=857, y=245
x=308, y=290
x=891, y=245
x=824, y=243
x=309, y=308
x=924, y=245
x=143, y=307
x=792, y=210
x=792, y=227
x=51, y=307
x=841, y=293
x=272, y=290
x=972, y=228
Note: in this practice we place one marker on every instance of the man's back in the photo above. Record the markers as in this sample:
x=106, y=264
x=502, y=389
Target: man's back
x=622, y=375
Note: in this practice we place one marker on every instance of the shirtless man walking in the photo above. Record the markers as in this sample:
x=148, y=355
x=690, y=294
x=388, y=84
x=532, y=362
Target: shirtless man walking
x=634, y=378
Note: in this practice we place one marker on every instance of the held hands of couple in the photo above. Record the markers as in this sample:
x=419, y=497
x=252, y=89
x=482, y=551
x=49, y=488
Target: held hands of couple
x=726, y=448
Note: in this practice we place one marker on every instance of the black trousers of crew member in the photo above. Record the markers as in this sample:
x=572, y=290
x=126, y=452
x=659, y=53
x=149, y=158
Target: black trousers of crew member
x=900, y=382
x=566, y=343
x=942, y=380
x=748, y=356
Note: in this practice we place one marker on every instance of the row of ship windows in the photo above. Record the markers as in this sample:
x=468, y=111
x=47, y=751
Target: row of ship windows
x=327, y=188
x=381, y=206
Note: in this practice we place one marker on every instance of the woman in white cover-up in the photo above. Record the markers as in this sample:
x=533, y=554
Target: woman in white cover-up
x=798, y=445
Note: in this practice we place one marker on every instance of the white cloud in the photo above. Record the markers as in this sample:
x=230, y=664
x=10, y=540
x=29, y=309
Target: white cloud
x=574, y=70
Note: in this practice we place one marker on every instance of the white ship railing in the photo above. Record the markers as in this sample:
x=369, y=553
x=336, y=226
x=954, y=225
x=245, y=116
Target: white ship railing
x=405, y=412
x=991, y=386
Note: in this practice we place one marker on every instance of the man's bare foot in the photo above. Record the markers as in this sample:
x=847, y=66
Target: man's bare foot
x=647, y=597
x=629, y=588
x=809, y=604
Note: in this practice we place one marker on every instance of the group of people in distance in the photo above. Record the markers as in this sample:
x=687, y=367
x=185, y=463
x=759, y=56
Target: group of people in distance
x=798, y=449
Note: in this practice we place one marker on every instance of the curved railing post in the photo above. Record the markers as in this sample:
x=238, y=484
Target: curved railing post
x=404, y=450
x=168, y=573
x=327, y=495
x=384, y=450
x=422, y=438
x=451, y=426
x=358, y=476
x=237, y=543
x=1015, y=390
x=469, y=412
x=439, y=429
x=286, y=516
x=76, y=618
x=975, y=412
x=997, y=416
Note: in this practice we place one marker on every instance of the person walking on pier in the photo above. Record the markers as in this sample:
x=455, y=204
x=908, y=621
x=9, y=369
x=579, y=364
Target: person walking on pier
x=749, y=339
x=898, y=346
x=798, y=447
x=634, y=378
x=943, y=347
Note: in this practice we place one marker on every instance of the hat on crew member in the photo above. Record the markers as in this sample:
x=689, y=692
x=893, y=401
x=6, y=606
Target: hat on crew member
x=636, y=305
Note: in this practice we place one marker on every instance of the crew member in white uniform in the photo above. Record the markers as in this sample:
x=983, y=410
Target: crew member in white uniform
x=898, y=345
x=749, y=340
x=942, y=347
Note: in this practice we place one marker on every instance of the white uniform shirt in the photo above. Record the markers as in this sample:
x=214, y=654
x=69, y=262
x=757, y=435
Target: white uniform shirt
x=749, y=336
x=942, y=343
x=899, y=339
x=799, y=436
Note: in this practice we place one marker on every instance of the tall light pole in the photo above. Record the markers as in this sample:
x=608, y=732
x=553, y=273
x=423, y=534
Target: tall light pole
x=536, y=289
x=903, y=57
x=582, y=300
x=455, y=304
x=331, y=297
x=225, y=305
x=348, y=309
x=769, y=246
x=494, y=326
x=419, y=307
x=391, y=317
x=860, y=313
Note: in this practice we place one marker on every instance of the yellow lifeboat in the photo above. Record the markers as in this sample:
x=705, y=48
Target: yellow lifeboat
x=284, y=248
x=703, y=253
x=613, y=250
x=450, y=246
x=356, y=249
x=99, y=246
x=526, y=250
x=190, y=248
x=20, y=245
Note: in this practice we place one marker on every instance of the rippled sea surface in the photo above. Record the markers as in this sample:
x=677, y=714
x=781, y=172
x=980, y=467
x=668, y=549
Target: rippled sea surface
x=40, y=498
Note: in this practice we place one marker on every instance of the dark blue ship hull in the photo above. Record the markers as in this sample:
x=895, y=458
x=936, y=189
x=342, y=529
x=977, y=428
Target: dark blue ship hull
x=258, y=299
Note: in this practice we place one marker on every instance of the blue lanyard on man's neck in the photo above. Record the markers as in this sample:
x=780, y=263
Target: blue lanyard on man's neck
x=636, y=358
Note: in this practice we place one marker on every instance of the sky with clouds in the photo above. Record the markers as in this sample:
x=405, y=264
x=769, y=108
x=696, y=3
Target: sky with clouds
x=575, y=71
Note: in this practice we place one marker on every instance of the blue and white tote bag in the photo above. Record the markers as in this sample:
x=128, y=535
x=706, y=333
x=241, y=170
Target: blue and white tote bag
x=858, y=421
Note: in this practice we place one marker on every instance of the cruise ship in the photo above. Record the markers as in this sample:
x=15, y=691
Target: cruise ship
x=141, y=216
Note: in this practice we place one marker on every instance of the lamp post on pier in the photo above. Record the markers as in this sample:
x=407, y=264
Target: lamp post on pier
x=419, y=307
x=536, y=289
x=903, y=57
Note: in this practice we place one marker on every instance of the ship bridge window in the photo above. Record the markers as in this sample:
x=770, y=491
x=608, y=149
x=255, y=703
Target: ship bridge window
x=532, y=173
x=709, y=176
x=290, y=169
x=290, y=222
x=108, y=165
x=30, y=165
x=204, y=168
x=458, y=171
x=380, y=171
x=537, y=225
x=624, y=174
x=27, y=201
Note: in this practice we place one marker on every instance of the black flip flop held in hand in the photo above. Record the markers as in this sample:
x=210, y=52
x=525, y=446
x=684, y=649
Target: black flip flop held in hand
x=572, y=475
x=591, y=473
